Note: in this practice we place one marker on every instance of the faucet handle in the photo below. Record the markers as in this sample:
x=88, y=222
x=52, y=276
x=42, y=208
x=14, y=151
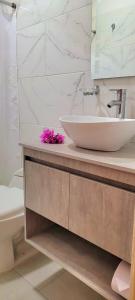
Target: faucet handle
x=120, y=92
x=115, y=90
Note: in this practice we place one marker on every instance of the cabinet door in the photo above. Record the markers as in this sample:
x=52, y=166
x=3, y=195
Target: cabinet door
x=47, y=192
x=102, y=214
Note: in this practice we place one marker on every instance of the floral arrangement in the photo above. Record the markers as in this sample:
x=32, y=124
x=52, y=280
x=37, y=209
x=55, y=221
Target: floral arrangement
x=48, y=136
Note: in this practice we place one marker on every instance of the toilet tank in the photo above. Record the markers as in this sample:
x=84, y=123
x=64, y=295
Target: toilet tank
x=17, y=179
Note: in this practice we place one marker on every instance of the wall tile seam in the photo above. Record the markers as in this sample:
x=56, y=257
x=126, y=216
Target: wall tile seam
x=52, y=18
x=56, y=74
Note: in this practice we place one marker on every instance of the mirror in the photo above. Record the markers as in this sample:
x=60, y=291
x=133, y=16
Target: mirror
x=113, y=38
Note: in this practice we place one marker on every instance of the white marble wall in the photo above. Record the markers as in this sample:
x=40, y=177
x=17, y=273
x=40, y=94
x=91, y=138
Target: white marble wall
x=53, y=43
x=53, y=46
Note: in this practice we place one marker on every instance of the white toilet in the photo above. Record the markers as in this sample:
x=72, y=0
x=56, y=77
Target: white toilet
x=11, y=218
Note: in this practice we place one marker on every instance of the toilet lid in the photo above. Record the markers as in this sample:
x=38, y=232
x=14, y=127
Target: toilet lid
x=11, y=202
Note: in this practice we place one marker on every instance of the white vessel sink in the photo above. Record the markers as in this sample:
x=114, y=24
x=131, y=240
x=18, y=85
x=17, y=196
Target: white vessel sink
x=98, y=133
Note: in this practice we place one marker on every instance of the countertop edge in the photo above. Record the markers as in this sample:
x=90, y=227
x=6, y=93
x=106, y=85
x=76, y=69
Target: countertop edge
x=98, y=162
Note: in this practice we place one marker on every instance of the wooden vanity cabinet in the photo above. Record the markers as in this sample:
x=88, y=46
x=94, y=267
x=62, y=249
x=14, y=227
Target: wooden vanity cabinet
x=80, y=216
x=103, y=215
x=97, y=212
x=47, y=192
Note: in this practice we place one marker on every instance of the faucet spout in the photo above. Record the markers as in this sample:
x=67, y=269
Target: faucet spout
x=113, y=103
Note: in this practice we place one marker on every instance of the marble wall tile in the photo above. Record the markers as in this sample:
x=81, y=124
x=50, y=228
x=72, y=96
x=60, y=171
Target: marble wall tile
x=54, y=66
x=27, y=13
x=30, y=132
x=59, y=7
x=55, y=46
x=31, y=50
x=44, y=99
x=35, y=11
x=68, y=42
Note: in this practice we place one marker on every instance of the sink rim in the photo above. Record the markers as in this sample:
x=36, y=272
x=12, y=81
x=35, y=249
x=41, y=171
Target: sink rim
x=88, y=119
x=98, y=133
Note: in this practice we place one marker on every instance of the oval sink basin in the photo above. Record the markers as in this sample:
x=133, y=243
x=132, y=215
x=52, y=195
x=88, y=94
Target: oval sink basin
x=98, y=133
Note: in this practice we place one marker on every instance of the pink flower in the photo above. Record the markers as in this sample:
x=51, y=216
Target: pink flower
x=49, y=137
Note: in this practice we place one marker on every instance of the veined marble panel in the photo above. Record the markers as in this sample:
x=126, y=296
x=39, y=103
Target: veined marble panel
x=61, y=45
x=34, y=11
x=68, y=42
x=31, y=50
x=44, y=99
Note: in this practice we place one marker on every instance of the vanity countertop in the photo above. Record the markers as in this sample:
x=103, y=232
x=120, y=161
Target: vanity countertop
x=123, y=160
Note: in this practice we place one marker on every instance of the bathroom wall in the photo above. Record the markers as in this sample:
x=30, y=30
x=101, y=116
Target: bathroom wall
x=53, y=43
x=53, y=50
x=9, y=112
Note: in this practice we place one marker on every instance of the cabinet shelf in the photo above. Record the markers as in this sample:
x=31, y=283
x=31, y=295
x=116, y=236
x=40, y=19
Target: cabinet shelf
x=90, y=264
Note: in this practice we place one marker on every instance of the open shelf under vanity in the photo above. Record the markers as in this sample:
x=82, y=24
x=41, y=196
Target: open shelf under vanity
x=90, y=264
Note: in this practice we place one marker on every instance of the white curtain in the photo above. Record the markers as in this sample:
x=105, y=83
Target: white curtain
x=9, y=113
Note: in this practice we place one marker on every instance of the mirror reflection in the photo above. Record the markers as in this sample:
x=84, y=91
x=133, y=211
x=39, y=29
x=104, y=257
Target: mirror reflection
x=113, y=42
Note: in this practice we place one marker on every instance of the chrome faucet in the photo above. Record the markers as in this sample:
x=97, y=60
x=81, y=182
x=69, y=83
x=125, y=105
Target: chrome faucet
x=120, y=102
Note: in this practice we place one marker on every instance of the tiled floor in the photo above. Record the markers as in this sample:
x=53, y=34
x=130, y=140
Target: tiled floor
x=41, y=279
